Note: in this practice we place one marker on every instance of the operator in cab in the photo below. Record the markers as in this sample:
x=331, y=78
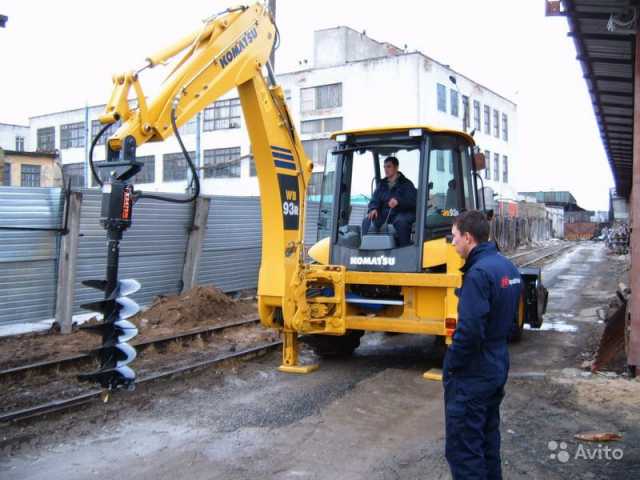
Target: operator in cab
x=393, y=202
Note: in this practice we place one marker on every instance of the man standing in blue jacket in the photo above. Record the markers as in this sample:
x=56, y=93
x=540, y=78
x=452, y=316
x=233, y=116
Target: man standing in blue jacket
x=394, y=201
x=477, y=362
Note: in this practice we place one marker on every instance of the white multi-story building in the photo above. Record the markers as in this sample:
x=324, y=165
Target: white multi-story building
x=14, y=137
x=354, y=82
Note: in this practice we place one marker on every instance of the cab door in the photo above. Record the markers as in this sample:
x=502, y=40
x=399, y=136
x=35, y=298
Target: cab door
x=450, y=185
x=327, y=197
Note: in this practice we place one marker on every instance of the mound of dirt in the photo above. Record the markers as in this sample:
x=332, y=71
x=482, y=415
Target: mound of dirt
x=190, y=308
x=203, y=306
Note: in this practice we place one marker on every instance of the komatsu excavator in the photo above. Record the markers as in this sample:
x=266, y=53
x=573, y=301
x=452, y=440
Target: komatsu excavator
x=355, y=282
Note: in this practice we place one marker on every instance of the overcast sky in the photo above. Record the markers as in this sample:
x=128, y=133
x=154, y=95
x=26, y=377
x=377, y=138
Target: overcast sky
x=58, y=55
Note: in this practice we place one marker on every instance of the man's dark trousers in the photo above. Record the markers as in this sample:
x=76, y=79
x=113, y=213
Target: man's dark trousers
x=472, y=417
x=476, y=364
x=401, y=222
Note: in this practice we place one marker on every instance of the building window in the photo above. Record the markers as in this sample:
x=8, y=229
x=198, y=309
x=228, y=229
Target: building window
x=30, y=175
x=323, y=96
x=189, y=128
x=317, y=150
x=505, y=169
x=96, y=126
x=476, y=115
x=252, y=167
x=496, y=124
x=74, y=172
x=6, y=172
x=505, y=127
x=307, y=99
x=19, y=144
x=174, y=166
x=466, y=120
x=148, y=172
x=487, y=120
x=72, y=135
x=329, y=96
x=222, y=115
x=496, y=167
x=454, y=102
x=322, y=125
x=487, y=161
x=46, y=139
x=222, y=163
x=442, y=97
x=440, y=160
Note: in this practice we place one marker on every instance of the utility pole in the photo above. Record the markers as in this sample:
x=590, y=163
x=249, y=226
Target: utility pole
x=272, y=9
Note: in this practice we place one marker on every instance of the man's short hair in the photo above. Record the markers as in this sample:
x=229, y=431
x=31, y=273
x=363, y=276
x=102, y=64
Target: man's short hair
x=475, y=223
x=393, y=160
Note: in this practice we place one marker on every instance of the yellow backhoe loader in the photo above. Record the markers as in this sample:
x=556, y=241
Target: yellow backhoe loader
x=354, y=282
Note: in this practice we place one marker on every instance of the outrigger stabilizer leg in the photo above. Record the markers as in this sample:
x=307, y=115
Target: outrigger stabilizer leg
x=290, y=352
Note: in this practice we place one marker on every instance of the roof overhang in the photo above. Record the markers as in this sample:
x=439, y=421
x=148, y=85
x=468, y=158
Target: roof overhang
x=608, y=63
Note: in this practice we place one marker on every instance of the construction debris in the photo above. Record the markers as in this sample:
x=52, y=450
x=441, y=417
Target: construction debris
x=612, y=342
x=617, y=238
x=598, y=437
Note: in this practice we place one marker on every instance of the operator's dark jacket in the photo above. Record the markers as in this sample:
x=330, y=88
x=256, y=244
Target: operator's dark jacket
x=488, y=303
x=403, y=191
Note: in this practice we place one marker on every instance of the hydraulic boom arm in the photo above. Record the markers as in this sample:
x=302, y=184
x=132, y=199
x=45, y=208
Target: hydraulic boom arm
x=230, y=51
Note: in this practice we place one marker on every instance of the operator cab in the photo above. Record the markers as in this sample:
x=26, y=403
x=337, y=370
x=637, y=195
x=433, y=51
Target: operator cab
x=437, y=163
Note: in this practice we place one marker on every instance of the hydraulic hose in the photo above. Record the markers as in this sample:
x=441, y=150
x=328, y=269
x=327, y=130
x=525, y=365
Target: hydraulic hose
x=195, y=180
x=96, y=177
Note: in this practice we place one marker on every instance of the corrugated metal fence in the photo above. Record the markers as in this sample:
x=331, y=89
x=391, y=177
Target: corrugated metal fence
x=153, y=250
x=231, y=250
x=28, y=258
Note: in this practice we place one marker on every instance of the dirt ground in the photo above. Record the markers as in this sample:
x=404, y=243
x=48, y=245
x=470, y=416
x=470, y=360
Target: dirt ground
x=202, y=306
x=368, y=417
x=43, y=387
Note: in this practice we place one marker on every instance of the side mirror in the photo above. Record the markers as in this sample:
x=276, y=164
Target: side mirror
x=479, y=161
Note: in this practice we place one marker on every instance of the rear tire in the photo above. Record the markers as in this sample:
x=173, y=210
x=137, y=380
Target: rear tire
x=537, y=298
x=439, y=348
x=334, y=346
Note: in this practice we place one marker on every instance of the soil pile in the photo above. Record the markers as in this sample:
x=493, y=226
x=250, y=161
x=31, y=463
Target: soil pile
x=191, y=309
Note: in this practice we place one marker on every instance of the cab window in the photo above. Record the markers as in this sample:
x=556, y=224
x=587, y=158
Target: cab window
x=445, y=196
